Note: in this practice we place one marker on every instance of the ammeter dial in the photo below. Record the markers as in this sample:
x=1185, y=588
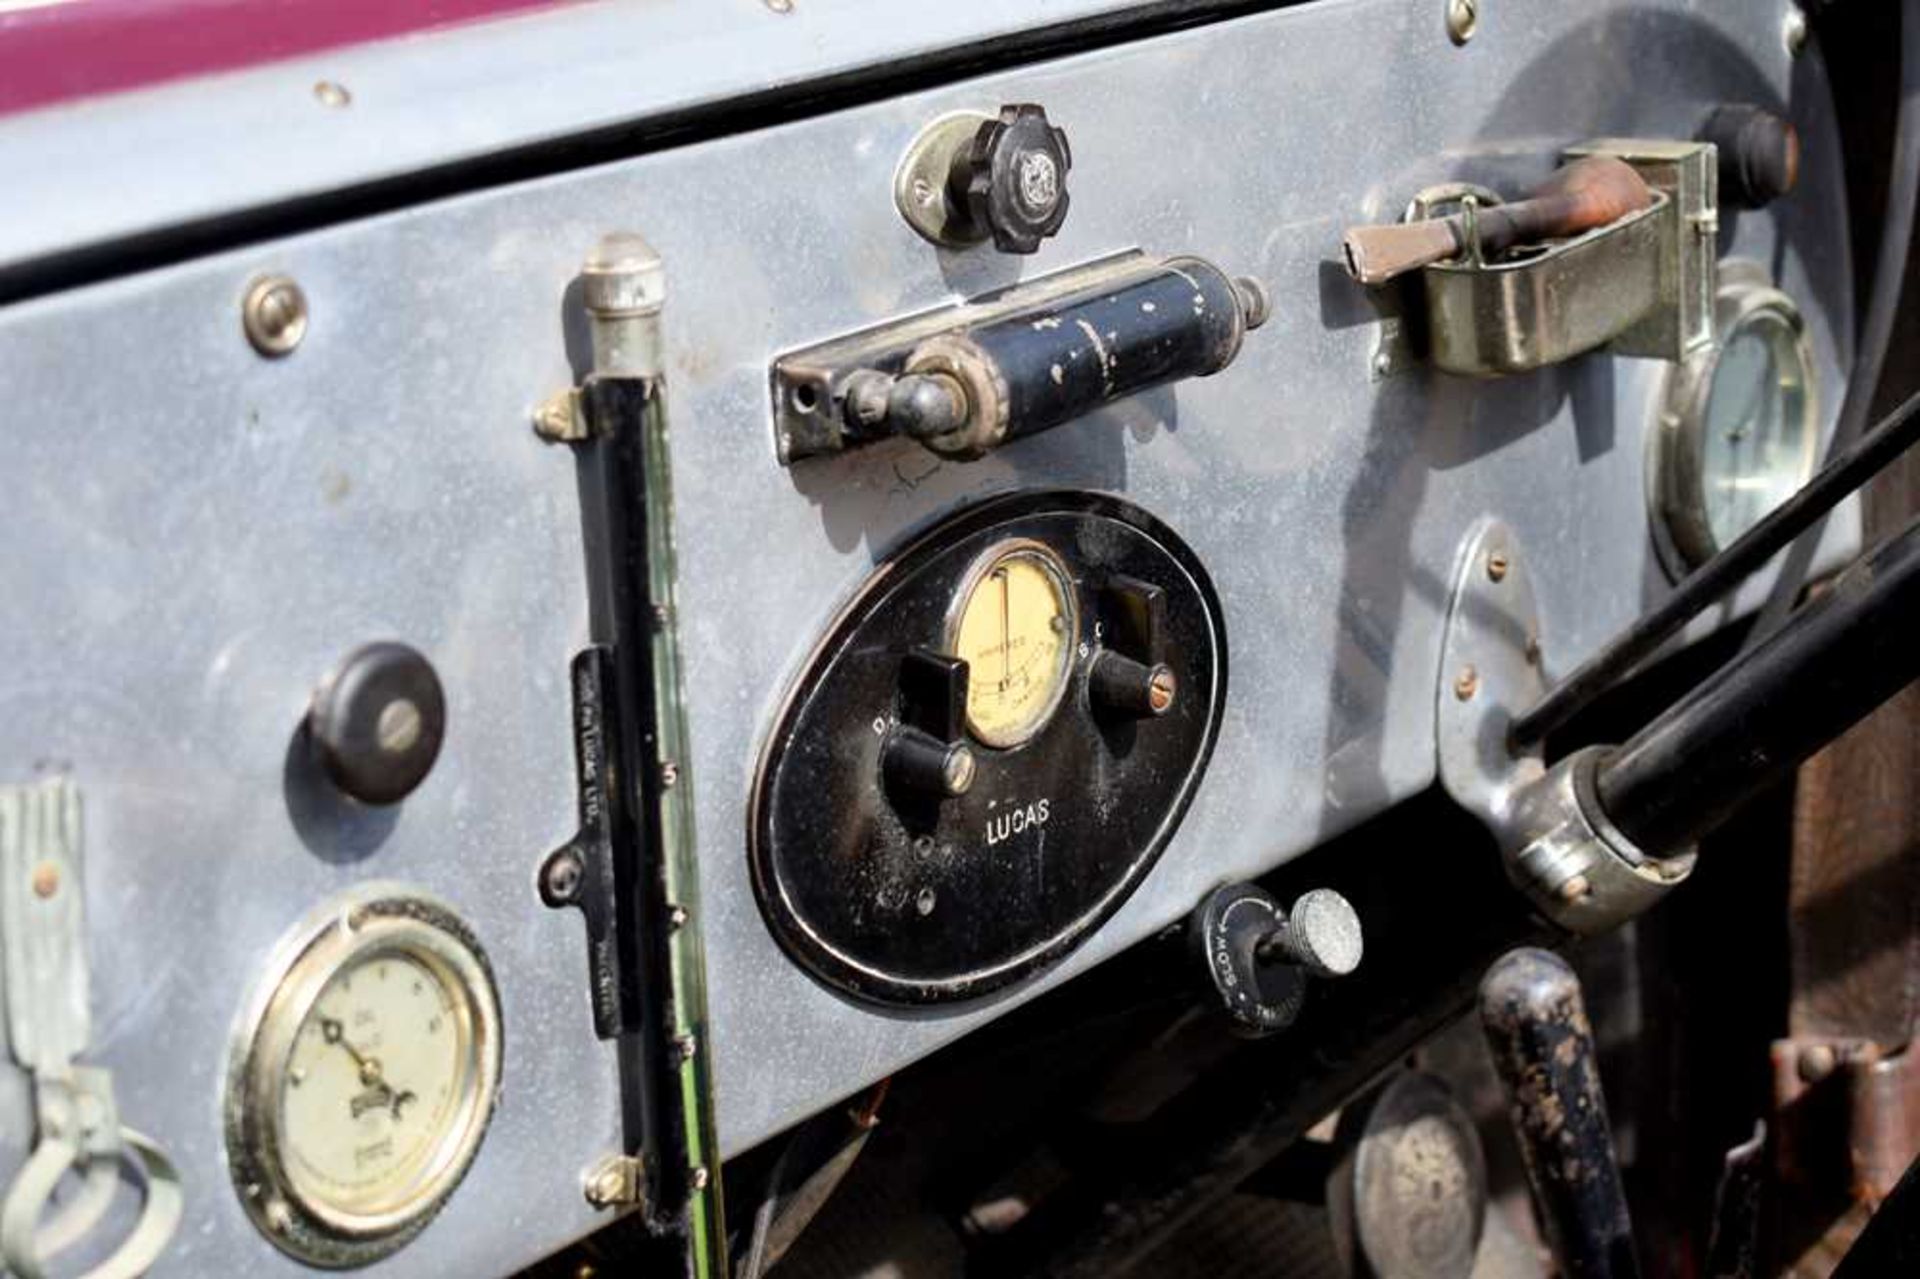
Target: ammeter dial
x=365, y=1076
x=992, y=742
x=1014, y=625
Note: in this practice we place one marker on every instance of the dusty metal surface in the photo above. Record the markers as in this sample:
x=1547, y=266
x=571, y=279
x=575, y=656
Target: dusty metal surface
x=203, y=532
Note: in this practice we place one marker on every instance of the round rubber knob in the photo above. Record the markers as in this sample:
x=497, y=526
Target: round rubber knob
x=1759, y=154
x=377, y=722
x=1012, y=182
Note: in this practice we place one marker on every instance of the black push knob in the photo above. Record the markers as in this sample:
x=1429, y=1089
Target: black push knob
x=1759, y=154
x=377, y=722
x=1011, y=184
x=1258, y=957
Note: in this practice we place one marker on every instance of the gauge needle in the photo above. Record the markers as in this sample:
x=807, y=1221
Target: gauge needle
x=334, y=1033
x=1006, y=628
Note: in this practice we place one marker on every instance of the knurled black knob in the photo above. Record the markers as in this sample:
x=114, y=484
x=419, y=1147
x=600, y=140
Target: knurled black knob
x=377, y=722
x=1011, y=183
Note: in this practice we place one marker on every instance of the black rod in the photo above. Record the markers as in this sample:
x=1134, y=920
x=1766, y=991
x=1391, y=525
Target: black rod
x=1722, y=573
x=1755, y=719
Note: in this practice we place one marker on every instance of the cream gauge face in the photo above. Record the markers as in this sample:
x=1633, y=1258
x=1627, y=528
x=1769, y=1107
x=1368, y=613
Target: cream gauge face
x=363, y=1083
x=1016, y=628
x=1739, y=423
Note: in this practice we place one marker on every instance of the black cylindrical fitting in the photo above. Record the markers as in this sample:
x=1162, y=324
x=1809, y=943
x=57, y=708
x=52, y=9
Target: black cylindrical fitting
x=1175, y=319
x=1758, y=717
x=1758, y=151
x=1536, y=1025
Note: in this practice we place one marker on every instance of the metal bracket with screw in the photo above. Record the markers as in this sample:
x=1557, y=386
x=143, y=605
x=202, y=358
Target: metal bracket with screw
x=1574, y=866
x=617, y=1181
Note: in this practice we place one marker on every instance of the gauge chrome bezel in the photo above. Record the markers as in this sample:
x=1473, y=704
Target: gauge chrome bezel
x=1676, y=474
x=1054, y=565
x=366, y=921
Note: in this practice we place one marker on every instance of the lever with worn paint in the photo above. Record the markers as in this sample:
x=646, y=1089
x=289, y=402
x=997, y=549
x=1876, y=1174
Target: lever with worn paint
x=1588, y=193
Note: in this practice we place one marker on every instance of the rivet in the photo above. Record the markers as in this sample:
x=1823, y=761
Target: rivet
x=1382, y=364
x=685, y=1046
x=1817, y=1061
x=46, y=879
x=1533, y=650
x=700, y=1178
x=1574, y=889
x=1463, y=18
x=669, y=774
x=274, y=315
x=780, y=6
x=1466, y=683
x=676, y=917
x=331, y=93
x=1497, y=566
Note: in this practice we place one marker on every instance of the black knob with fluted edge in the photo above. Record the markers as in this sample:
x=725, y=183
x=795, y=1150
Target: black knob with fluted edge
x=377, y=721
x=1011, y=183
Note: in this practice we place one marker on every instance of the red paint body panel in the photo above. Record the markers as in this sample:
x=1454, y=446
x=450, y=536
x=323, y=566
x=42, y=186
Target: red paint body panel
x=68, y=49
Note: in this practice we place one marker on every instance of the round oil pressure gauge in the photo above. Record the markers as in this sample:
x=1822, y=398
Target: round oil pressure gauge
x=363, y=1076
x=1739, y=423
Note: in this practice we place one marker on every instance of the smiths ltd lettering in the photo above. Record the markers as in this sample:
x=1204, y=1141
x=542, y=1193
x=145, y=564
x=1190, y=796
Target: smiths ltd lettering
x=1005, y=825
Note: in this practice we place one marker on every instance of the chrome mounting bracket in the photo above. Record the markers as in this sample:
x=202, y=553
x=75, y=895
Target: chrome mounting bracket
x=1573, y=865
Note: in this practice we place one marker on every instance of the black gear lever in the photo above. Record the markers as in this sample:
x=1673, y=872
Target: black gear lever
x=1536, y=1025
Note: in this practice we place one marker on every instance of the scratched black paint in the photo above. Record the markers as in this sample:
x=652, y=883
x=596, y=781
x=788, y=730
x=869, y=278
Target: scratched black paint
x=1180, y=319
x=916, y=902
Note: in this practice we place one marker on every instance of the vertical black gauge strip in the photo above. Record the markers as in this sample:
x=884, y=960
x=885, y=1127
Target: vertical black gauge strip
x=667, y=1092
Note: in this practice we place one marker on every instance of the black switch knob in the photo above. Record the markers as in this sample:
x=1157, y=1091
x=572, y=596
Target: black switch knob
x=926, y=754
x=377, y=722
x=1128, y=678
x=1011, y=184
x=1759, y=154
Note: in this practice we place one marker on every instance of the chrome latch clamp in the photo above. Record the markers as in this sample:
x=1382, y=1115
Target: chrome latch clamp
x=43, y=942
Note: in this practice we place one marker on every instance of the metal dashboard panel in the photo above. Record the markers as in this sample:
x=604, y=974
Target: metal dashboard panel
x=194, y=534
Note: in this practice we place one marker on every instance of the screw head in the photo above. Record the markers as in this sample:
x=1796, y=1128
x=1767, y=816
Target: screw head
x=274, y=315
x=1463, y=19
x=1466, y=683
x=957, y=773
x=1793, y=30
x=46, y=880
x=1497, y=566
x=1161, y=688
x=331, y=93
x=1574, y=889
x=560, y=878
